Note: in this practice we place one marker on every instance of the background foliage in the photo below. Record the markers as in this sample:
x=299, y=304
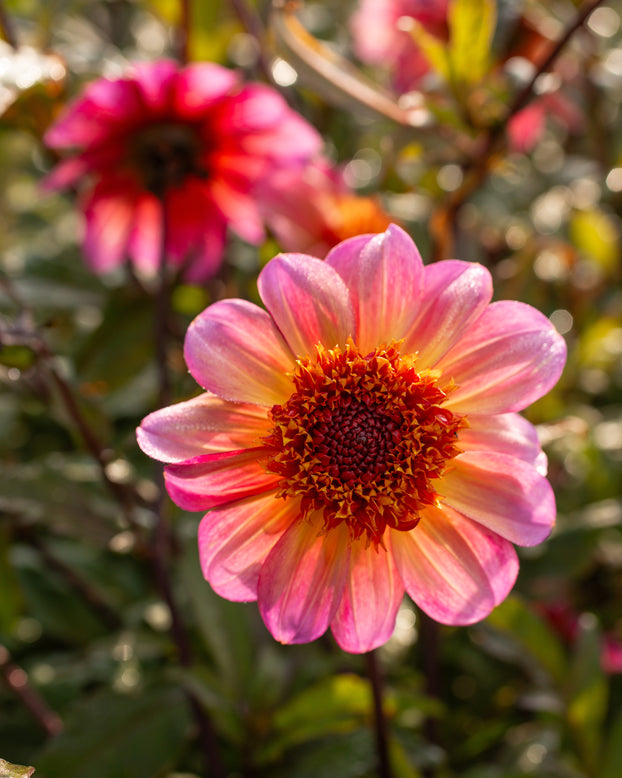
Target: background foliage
x=117, y=658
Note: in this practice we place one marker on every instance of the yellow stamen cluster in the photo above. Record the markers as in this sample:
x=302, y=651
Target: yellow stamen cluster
x=362, y=438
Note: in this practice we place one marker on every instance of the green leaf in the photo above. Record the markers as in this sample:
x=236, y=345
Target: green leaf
x=338, y=704
x=595, y=235
x=121, y=736
x=471, y=28
x=223, y=624
x=8, y=770
x=434, y=50
x=612, y=760
x=514, y=618
x=587, y=692
x=120, y=347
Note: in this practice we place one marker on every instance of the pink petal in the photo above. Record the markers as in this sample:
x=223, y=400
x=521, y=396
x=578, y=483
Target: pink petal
x=503, y=493
x=308, y=301
x=234, y=350
x=273, y=129
x=455, y=294
x=199, y=86
x=234, y=541
x=145, y=240
x=216, y=479
x=155, y=81
x=196, y=229
x=509, y=358
x=506, y=433
x=238, y=206
x=302, y=581
x=104, y=107
x=204, y=425
x=384, y=275
x=365, y=618
x=454, y=570
x=109, y=212
x=66, y=173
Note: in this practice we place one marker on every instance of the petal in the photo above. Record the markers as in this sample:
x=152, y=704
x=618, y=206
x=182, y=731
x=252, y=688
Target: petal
x=234, y=541
x=196, y=229
x=270, y=126
x=235, y=201
x=66, y=173
x=455, y=294
x=384, y=274
x=104, y=107
x=234, y=350
x=454, y=570
x=204, y=425
x=509, y=358
x=373, y=593
x=301, y=582
x=506, y=433
x=199, y=86
x=109, y=211
x=216, y=479
x=308, y=301
x=503, y=493
x=156, y=81
x=145, y=240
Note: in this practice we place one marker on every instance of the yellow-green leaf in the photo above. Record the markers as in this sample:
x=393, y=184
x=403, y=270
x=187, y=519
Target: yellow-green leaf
x=433, y=49
x=471, y=27
x=595, y=235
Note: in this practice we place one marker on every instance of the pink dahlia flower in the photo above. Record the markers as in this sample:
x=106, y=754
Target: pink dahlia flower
x=194, y=140
x=313, y=209
x=359, y=438
x=381, y=36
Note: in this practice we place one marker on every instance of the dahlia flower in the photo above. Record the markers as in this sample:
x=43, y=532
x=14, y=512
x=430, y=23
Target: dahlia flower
x=380, y=29
x=359, y=438
x=313, y=209
x=174, y=154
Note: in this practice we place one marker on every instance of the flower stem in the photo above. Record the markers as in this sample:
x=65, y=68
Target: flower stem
x=18, y=682
x=380, y=721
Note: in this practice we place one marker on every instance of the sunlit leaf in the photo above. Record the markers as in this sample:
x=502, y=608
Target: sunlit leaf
x=337, y=704
x=595, y=234
x=471, y=27
x=434, y=50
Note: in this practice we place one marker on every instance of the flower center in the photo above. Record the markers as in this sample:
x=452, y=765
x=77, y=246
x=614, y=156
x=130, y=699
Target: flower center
x=166, y=154
x=362, y=439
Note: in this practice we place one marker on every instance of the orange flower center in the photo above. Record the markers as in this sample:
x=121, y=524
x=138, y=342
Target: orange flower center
x=363, y=438
x=165, y=154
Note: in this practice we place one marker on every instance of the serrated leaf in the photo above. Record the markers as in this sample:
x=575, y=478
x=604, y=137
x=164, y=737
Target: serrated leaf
x=471, y=27
x=514, y=618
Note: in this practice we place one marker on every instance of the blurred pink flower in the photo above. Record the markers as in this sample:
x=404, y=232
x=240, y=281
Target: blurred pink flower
x=527, y=127
x=313, y=209
x=359, y=438
x=381, y=36
x=175, y=154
